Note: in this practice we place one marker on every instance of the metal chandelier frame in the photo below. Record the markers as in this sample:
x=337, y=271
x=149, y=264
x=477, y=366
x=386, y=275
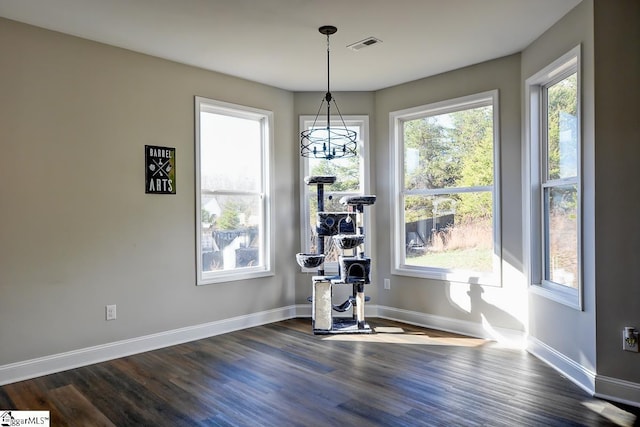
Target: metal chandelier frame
x=328, y=142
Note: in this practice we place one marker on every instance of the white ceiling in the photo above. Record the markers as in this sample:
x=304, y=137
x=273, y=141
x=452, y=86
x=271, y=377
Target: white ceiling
x=277, y=42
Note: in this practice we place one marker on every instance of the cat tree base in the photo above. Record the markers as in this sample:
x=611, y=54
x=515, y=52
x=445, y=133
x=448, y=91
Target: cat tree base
x=322, y=309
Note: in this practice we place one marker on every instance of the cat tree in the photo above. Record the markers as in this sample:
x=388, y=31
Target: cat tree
x=346, y=228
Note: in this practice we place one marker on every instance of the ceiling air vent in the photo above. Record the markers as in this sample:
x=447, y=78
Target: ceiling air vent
x=369, y=41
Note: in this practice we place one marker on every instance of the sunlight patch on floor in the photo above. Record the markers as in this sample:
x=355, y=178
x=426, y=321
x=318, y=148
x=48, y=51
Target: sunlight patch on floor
x=611, y=412
x=395, y=335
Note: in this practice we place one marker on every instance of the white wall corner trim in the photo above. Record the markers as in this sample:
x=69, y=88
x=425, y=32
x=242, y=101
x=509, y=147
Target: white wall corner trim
x=576, y=373
x=32, y=368
x=617, y=390
x=507, y=337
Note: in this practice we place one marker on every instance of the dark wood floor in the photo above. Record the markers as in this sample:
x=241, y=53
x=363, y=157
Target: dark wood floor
x=283, y=375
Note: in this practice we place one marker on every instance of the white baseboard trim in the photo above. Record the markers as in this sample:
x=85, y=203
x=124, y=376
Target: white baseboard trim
x=576, y=373
x=304, y=310
x=507, y=337
x=598, y=385
x=86, y=356
x=617, y=390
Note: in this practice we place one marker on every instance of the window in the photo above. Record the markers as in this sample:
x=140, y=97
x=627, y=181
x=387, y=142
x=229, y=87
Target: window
x=445, y=186
x=351, y=179
x=233, y=145
x=554, y=153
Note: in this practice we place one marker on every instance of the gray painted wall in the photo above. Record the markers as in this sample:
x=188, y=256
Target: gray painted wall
x=617, y=180
x=78, y=232
x=565, y=329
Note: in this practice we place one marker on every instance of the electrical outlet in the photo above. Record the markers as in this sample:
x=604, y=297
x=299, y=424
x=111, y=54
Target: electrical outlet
x=630, y=339
x=111, y=312
x=387, y=284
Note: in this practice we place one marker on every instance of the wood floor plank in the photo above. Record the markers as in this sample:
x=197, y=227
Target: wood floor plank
x=5, y=400
x=282, y=375
x=157, y=378
x=76, y=410
x=32, y=395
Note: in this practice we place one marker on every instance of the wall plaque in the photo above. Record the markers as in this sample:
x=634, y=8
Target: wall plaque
x=160, y=171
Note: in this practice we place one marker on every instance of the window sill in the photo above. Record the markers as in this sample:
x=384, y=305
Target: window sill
x=460, y=276
x=223, y=277
x=567, y=296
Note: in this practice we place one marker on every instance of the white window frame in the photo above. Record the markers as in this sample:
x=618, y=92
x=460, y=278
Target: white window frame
x=265, y=118
x=534, y=157
x=361, y=121
x=398, y=249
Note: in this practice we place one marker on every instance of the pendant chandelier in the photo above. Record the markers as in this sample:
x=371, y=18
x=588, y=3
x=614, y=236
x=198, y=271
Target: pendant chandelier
x=328, y=142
